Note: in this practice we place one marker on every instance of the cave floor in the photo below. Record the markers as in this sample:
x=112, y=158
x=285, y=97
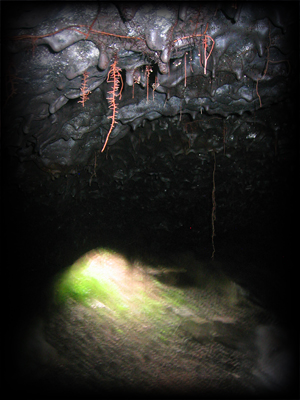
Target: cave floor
x=203, y=345
x=185, y=339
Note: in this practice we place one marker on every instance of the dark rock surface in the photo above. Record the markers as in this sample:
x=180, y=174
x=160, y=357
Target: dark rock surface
x=217, y=70
x=208, y=111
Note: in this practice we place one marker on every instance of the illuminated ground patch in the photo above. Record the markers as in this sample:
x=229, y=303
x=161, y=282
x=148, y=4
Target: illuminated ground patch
x=107, y=282
x=113, y=326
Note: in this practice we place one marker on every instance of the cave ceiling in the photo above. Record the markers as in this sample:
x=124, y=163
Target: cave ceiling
x=146, y=109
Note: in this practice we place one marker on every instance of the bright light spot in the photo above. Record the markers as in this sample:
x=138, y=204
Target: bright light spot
x=106, y=281
x=119, y=302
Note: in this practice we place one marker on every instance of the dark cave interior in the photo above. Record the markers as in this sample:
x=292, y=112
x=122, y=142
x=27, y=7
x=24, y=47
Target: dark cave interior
x=151, y=129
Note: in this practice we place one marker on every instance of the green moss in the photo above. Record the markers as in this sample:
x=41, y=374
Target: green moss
x=79, y=284
x=174, y=297
x=105, y=281
x=83, y=288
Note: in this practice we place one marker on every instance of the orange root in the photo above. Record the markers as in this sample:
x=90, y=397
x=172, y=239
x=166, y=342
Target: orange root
x=114, y=76
x=84, y=89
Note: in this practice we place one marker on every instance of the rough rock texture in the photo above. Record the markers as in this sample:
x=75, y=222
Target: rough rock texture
x=198, y=105
x=224, y=75
x=142, y=337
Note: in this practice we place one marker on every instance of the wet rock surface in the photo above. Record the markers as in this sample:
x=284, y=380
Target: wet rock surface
x=197, y=80
x=208, y=112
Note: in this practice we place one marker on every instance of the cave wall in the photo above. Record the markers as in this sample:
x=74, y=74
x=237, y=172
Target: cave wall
x=206, y=119
x=197, y=82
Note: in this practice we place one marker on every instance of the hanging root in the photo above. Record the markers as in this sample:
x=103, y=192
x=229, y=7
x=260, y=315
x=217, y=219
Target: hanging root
x=84, y=89
x=148, y=71
x=114, y=76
